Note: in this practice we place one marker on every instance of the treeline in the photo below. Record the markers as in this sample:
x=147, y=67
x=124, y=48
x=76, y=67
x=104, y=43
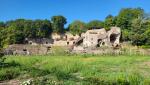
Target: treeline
x=134, y=23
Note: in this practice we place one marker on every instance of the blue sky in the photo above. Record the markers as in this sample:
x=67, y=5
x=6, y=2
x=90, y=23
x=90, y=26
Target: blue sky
x=84, y=10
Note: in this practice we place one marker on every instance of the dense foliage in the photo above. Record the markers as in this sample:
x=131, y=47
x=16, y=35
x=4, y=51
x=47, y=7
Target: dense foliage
x=77, y=27
x=2, y=59
x=16, y=31
x=58, y=23
x=134, y=23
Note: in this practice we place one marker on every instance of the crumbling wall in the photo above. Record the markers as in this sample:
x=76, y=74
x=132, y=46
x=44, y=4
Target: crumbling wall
x=95, y=37
x=21, y=49
x=99, y=37
x=114, y=36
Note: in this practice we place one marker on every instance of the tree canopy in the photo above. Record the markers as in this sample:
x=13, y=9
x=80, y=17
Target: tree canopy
x=95, y=23
x=58, y=23
x=14, y=32
x=77, y=27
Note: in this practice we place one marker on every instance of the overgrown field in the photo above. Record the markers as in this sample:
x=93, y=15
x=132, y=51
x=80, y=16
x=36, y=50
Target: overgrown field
x=78, y=70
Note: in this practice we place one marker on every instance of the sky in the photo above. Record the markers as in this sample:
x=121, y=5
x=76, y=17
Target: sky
x=84, y=10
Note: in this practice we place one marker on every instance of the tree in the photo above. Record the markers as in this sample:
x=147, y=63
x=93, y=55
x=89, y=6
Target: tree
x=42, y=29
x=29, y=29
x=125, y=17
x=58, y=23
x=2, y=59
x=14, y=35
x=109, y=22
x=95, y=23
x=125, y=35
x=77, y=27
x=137, y=31
x=147, y=34
x=2, y=24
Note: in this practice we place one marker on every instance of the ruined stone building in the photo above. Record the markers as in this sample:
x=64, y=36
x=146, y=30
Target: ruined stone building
x=114, y=36
x=91, y=39
x=98, y=38
x=38, y=41
x=95, y=37
x=66, y=39
x=41, y=45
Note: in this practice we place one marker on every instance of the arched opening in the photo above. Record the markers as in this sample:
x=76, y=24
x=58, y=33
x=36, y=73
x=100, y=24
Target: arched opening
x=113, y=38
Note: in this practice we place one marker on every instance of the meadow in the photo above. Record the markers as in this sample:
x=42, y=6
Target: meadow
x=78, y=69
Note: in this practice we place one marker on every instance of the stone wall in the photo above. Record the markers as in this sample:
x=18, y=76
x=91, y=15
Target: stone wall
x=21, y=49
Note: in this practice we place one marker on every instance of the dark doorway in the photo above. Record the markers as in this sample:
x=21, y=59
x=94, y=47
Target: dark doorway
x=67, y=43
x=113, y=38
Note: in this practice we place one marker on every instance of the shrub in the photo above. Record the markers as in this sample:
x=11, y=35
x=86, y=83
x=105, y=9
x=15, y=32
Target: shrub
x=2, y=59
x=9, y=73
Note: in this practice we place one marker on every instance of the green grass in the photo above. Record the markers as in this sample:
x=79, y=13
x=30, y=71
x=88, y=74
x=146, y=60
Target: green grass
x=78, y=69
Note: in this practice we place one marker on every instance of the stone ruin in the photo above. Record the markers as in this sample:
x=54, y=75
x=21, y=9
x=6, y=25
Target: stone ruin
x=26, y=49
x=98, y=38
x=94, y=38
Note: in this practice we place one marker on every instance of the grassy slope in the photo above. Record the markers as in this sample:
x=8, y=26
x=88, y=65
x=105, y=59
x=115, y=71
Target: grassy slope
x=82, y=70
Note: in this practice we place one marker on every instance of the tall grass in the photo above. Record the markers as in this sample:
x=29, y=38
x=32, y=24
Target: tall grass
x=79, y=69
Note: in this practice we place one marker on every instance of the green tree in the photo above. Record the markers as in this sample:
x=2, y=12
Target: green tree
x=58, y=23
x=137, y=31
x=2, y=24
x=125, y=35
x=14, y=35
x=125, y=21
x=95, y=23
x=77, y=27
x=146, y=25
x=125, y=17
x=109, y=22
x=2, y=59
x=42, y=29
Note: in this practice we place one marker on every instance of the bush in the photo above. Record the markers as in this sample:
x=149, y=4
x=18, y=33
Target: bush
x=9, y=73
x=2, y=59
